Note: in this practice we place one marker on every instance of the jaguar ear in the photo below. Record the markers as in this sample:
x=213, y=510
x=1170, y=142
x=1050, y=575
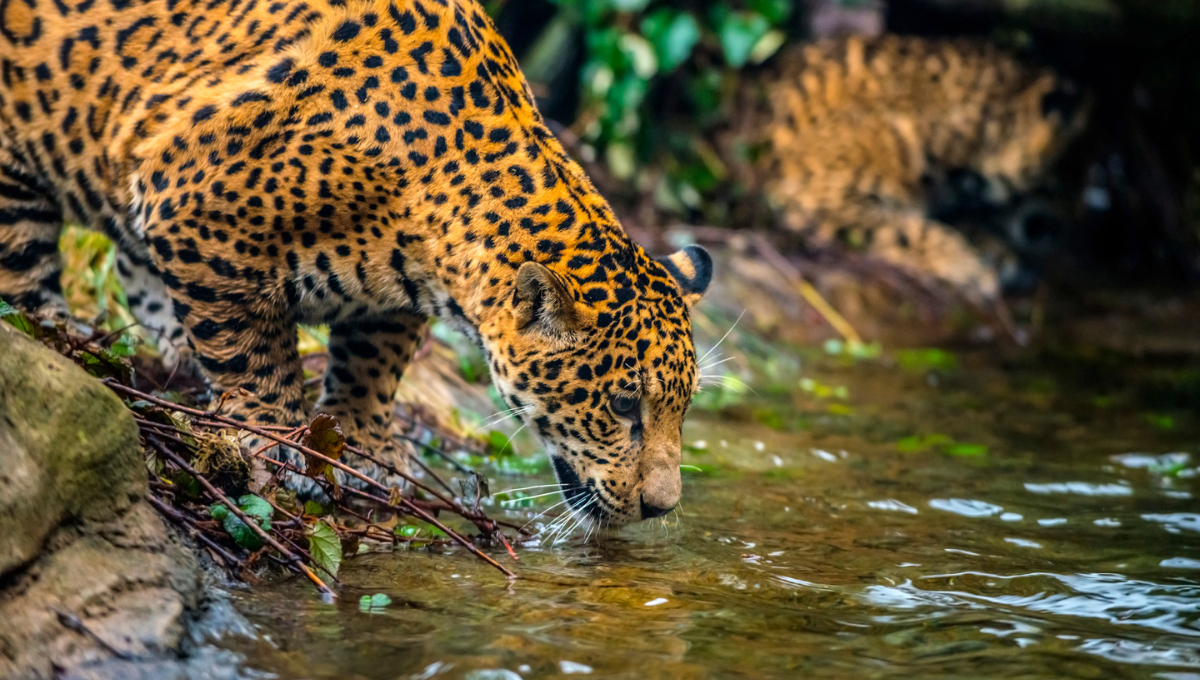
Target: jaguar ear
x=692, y=270
x=543, y=299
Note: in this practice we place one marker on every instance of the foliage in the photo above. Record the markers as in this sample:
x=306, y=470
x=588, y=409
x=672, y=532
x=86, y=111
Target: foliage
x=101, y=355
x=926, y=360
x=89, y=278
x=254, y=507
x=324, y=546
x=373, y=603
x=940, y=442
x=498, y=443
x=17, y=319
x=325, y=437
x=658, y=78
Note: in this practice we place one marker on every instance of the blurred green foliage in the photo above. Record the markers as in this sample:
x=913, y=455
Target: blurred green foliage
x=657, y=77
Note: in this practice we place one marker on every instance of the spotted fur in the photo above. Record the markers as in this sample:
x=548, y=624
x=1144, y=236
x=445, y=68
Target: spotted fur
x=364, y=165
x=862, y=130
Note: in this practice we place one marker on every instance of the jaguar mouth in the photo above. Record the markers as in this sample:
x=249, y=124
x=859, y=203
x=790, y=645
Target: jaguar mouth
x=580, y=497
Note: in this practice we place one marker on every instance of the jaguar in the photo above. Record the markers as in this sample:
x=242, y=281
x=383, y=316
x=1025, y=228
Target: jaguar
x=871, y=141
x=364, y=164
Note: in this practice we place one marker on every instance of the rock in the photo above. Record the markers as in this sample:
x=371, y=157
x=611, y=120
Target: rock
x=79, y=543
x=68, y=448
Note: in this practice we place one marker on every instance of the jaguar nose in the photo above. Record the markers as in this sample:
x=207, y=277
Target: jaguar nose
x=650, y=511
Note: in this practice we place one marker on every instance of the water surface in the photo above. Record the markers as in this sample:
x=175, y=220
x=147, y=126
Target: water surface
x=884, y=519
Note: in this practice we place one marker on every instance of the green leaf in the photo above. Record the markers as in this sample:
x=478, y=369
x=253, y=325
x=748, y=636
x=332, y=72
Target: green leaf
x=923, y=360
x=522, y=465
x=467, y=369
x=324, y=546
x=965, y=450
x=373, y=603
x=1162, y=422
x=775, y=11
x=407, y=530
x=243, y=535
x=859, y=350
x=738, y=33
x=769, y=417
x=929, y=441
x=620, y=159
x=767, y=45
x=17, y=319
x=125, y=346
x=938, y=440
x=187, y=484
x=640, y=54
x=499, y=444
x=673, y=35
x=315, y=509
x=628, y=5
x=257, y=508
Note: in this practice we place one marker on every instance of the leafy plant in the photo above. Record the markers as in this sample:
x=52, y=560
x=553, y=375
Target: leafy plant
x=324, y=546
x=943, y=443
x=638, y=55
x=374, y=603
x=254, y=507
x=17, y=319
x=925, y=360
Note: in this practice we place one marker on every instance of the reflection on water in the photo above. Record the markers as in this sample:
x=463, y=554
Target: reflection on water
x=1061, y=543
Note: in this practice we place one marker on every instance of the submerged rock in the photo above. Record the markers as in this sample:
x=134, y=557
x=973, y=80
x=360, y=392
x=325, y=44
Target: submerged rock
x=92, y=583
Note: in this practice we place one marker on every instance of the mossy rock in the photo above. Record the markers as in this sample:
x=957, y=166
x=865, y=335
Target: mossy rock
x=69, y=448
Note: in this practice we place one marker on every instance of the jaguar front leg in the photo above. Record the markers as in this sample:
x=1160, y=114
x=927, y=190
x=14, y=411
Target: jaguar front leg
x=244, y=340
x=30, y=263
x=367, y=358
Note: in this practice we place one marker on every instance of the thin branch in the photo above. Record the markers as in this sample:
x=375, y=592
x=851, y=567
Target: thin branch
x=404, y=503
x=291, y=557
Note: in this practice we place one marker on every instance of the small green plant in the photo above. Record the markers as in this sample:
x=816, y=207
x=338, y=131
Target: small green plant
x=17, y=319
x=926, y=360
x=940, y=442
x=642, y=54
x=254, y=507
x=373, y=604
x=324, y=546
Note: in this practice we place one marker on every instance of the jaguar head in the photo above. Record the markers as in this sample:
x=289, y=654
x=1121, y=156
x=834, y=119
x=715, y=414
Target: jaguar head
x=1029, y=132
x=603, y=371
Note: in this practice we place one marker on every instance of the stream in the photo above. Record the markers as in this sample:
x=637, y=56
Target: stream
x=921, y=515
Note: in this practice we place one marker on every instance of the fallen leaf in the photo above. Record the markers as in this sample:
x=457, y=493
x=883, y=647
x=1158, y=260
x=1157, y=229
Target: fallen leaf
x=474, y=489
x=324, y=546
x=373, y=603
x=325, y=437
x=395, y=496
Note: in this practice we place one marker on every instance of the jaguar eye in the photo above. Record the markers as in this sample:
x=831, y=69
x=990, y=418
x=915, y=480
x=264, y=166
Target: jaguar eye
x=623, y=405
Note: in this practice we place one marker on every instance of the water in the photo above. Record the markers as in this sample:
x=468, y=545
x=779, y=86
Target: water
x=880, y=521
